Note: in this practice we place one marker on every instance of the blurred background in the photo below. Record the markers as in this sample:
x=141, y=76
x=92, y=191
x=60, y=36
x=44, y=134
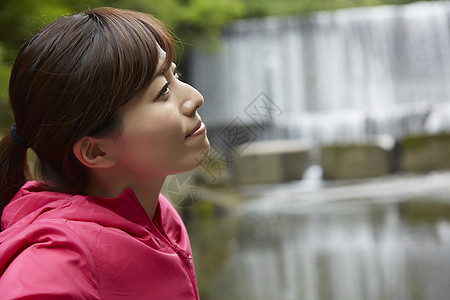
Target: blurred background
x=329, y=122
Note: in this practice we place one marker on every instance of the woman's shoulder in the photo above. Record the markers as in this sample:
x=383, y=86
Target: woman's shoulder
x=39, y=253
x=33, y=203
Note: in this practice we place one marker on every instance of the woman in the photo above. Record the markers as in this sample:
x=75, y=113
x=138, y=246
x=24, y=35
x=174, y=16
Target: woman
x=96, y=96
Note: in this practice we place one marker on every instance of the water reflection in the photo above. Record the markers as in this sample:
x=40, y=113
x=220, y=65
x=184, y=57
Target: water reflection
x=390, y=242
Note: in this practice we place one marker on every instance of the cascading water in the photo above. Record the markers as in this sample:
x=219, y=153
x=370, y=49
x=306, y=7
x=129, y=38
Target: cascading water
x=336, y=76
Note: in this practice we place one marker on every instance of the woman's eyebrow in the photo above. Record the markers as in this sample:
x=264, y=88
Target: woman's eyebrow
x=163, y=71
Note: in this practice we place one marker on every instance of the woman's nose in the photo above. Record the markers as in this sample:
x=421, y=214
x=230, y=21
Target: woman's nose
x=192, y=101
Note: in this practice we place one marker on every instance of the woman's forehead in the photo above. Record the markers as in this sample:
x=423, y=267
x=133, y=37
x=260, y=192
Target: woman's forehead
x=162, y=59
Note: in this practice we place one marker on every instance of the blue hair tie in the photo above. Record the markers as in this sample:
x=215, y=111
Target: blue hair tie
x=16, y=137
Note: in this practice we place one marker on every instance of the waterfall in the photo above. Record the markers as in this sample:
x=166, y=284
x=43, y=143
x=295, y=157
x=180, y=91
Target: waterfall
x=335, y=76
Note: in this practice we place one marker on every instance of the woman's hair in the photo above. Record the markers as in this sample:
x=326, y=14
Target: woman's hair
x=69, y=81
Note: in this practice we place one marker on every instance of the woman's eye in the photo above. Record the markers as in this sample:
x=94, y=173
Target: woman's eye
x=165, y=90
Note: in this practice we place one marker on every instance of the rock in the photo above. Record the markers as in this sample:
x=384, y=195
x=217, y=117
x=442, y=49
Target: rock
x=371, y=158
x=274, y=161
x=425, y=153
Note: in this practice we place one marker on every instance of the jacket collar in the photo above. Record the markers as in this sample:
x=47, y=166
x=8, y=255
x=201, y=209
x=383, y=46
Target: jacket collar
x=32, y=201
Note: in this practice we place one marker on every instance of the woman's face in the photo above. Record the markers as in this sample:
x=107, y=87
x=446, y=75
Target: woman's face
x=162, y=132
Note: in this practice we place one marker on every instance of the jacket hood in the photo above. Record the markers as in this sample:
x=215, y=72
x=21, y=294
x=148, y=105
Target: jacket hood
x=32, y=202
x=25, y=202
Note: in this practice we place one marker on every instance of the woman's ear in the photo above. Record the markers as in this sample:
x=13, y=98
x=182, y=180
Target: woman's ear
x=93, y=153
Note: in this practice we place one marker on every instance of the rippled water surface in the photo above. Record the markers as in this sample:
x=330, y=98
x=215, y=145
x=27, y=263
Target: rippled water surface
x=376, y=239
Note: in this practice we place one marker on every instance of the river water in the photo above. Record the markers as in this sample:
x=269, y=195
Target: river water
x=386, y=238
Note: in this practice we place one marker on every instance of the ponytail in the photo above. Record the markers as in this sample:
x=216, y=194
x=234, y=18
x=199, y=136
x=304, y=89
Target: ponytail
x=14, y=170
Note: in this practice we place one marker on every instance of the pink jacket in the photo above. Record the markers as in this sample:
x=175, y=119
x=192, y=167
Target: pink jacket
x=61, y=246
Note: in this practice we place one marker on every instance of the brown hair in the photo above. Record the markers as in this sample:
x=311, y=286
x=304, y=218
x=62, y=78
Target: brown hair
x=69, y=81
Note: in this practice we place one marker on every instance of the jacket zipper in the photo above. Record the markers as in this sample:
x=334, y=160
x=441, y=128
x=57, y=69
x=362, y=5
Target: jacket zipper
x=189, y=266
x=187, y=258
x=180, y=252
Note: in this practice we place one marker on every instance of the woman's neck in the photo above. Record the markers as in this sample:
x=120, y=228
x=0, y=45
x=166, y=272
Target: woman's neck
x=148, y=194
x=146, y=190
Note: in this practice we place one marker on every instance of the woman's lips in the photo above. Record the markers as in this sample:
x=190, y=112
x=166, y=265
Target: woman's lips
x=201, y=128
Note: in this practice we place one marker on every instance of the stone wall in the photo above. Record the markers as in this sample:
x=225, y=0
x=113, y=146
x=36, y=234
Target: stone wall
x=425, y=153
x=271, y=162
x=355, y=161
x=286, y=160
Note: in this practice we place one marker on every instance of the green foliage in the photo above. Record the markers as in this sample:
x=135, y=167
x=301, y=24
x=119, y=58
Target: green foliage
x=19, y=19
x=5, y=115
x=193, y=21
x=5, y=70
